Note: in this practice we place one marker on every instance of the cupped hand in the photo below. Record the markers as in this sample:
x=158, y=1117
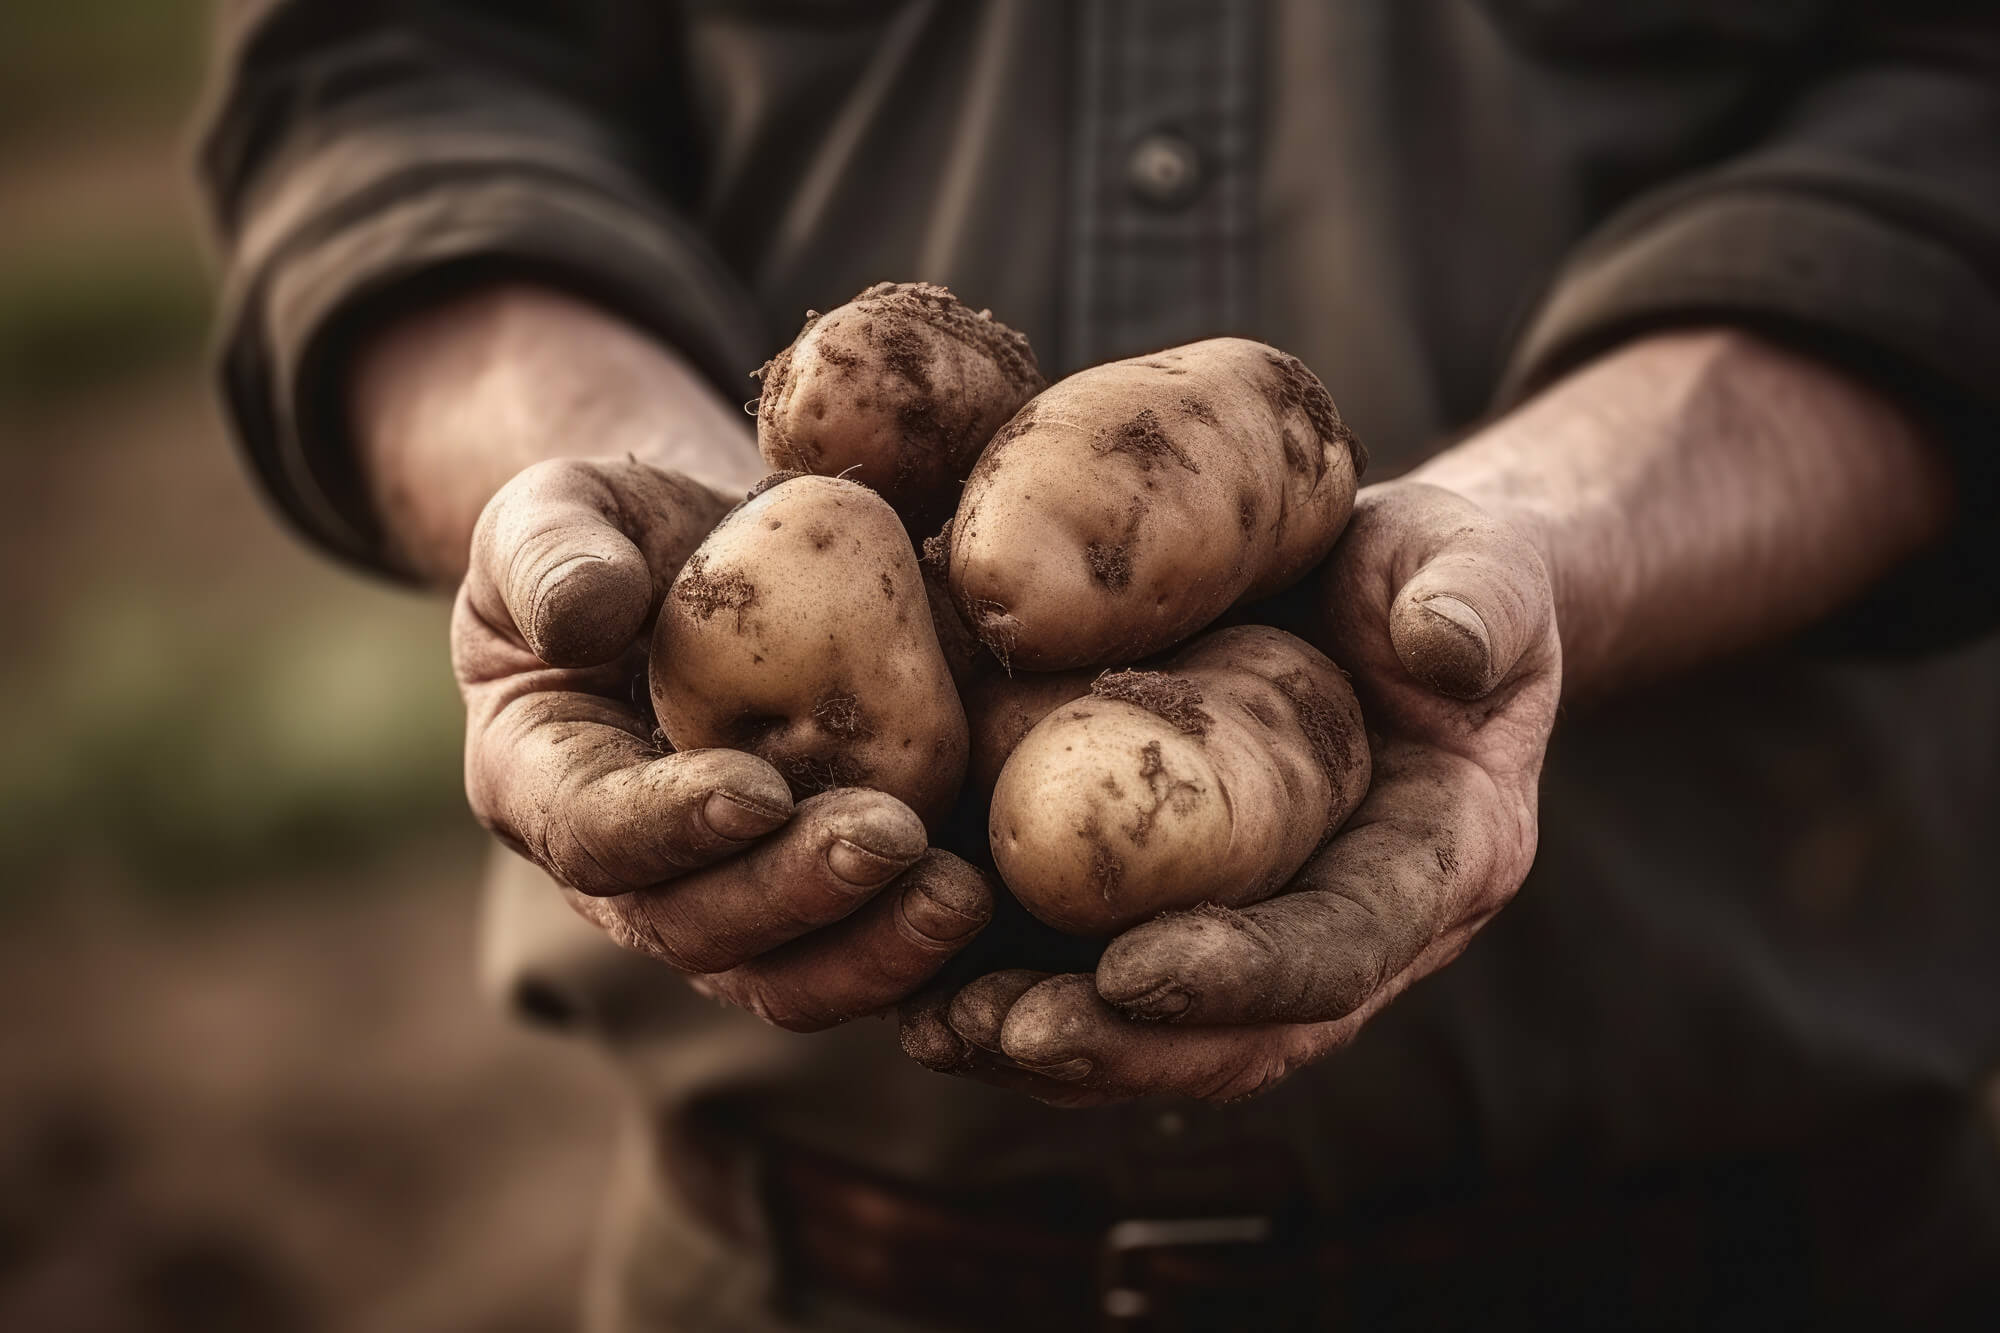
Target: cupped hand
x=805, y=915
x=1442, y=614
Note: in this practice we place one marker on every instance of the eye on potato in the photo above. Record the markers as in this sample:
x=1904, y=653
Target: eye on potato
x=1131, y=504
x=900, y=389
x=1210, y=781
x=800, y=631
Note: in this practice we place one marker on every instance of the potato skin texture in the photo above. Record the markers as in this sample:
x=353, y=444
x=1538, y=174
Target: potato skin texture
x=899, y=389
x=1210, y=781
x=1074, y=544
x=799, y=631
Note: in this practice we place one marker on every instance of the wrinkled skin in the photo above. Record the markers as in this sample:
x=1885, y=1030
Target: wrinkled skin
x=806, y=915
x=1444, y=618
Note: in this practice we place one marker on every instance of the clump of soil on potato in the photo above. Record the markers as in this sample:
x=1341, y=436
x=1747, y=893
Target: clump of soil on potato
x=1295, y=386
x=1324, y=725
x=994, y=627
x=705, y=592
x=766, y=483
x=935, y=554
x=943, y=311
x=1146, y=440
x=1200, y=409
x=811, y=773
x=1110, y=564
x=1174, y=699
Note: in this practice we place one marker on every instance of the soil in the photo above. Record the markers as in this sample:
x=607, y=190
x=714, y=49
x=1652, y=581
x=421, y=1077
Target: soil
x=291, y=1111
x=1174, y=699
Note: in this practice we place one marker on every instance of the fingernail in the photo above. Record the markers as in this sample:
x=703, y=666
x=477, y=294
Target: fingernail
x=859, y=866
x=936, y=918
x=731, y=816
x=1069, y=1071
x=1461, y=616
x=1165, y=1000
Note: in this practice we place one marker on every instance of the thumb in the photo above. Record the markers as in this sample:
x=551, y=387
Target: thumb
x=575, y=554
x=1474, y=608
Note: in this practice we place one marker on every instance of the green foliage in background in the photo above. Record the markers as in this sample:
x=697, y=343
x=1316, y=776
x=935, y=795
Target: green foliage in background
x=81, y=309
x=179, y=751
x=172, y=722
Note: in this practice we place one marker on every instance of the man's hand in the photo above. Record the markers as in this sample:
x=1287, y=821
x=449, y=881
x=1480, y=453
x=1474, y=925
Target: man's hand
x=806, y=916
x=1685, y=496
x=1443, y=617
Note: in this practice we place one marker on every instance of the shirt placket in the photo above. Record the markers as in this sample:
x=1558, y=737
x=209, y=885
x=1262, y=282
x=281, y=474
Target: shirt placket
x=1162, y=175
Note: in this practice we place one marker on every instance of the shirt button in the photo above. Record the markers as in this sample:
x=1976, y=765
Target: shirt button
x=1164, y=170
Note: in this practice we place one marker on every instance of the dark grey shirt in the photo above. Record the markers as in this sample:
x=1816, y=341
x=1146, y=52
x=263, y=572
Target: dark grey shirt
x=1765, y=919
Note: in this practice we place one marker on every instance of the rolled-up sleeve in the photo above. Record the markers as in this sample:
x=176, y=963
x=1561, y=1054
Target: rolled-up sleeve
x=1865, y=227
x=355, y=154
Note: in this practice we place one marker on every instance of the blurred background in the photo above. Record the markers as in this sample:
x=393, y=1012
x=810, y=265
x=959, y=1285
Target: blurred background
x=246, y=1078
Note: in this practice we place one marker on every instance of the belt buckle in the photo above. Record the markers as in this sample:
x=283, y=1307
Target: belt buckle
x=1125, y=1299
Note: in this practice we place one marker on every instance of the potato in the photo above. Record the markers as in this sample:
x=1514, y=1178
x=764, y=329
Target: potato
x=900, y=389
x=1000, y=710
x=1210, y=781
x=799, y=631
x=1132, y=503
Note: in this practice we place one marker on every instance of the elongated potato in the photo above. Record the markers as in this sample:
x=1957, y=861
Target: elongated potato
x=799, y=631
x=900, y=389
x=1210, y=781
x=1133, y=503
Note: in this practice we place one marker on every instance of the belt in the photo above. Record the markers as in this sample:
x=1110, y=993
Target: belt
x=1678, y=1250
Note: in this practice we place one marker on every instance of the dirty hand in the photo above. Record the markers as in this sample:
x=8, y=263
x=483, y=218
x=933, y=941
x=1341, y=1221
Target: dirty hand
x=807, y=915
x=1443, y=616
x=621, y=458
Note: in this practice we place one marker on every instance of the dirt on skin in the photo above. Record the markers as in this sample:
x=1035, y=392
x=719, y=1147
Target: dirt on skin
x=1145, y=440
x=840, y=714
x=935, y=554
x=810, y=774
x=1296, y=387
x=1162, y=785
x=889, y=316
x=1333, y=742
x=1176, y=700
x=704, y=592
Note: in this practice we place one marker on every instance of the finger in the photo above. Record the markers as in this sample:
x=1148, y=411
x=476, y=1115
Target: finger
x=1418, y=862
x=1476, y=605
x=840, y=847
x=575, y=554
x=926, y=1033
x=979, y=1010
x=929, y=1039
x=1063, y=1031
x=872, y=959
x=574, y=781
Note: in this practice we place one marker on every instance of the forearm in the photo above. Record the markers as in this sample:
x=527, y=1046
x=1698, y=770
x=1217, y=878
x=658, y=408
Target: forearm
x=450, y=401
x=1697, y=493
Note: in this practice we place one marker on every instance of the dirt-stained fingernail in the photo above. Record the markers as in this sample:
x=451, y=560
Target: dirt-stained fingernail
x=1069, y=1071
x=945, y=903
x=859, y=866
x=1166, y=1000
x=731, y=816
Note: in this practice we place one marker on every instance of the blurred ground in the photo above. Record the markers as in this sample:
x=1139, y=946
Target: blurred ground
x=245, y=1078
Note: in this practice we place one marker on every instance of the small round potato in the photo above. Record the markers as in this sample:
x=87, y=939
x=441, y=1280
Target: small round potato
x=1210, y=781
x=900, y=389
x=799, y=631
x=1131, y=504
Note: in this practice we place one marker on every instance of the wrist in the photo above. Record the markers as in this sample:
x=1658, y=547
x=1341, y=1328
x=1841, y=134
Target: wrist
x=450, y=401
